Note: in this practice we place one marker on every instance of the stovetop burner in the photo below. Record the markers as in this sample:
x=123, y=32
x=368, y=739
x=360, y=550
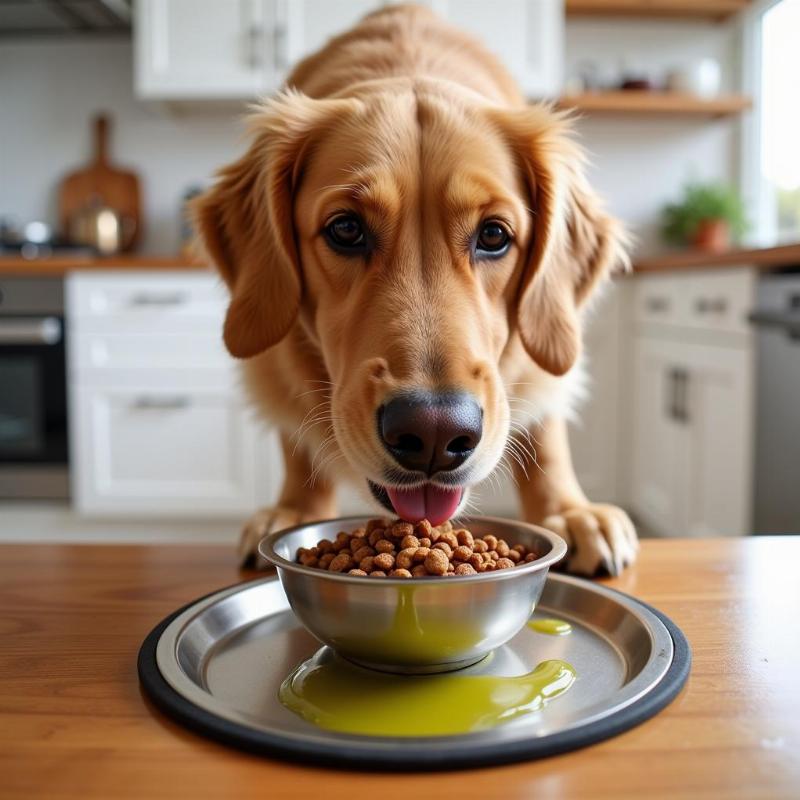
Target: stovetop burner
x=35, y=251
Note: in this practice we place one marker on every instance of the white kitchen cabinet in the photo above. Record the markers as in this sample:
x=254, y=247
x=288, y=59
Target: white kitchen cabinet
x=595, y=427
x=165, y=450
x=691, y=442
x=719, y=414
x=310, y=23
x=706, y=302
x=158, y=421
x=595, y=431
x=241, y=49
x=659, y=439
x=205, y=49
x=526, y=35
x=158, y=303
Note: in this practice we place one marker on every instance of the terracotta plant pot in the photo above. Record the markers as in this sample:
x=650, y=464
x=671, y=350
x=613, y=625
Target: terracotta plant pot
x=712, y=235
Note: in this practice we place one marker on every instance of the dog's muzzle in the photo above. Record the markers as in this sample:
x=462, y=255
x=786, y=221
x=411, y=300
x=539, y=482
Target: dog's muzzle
x=428, y=435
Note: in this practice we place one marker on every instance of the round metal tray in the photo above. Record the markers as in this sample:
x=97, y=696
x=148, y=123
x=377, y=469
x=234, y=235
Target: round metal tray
x=216, y=666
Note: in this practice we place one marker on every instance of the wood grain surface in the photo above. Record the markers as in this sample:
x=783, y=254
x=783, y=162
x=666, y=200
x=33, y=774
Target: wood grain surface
x=653, y=102
x=711, y=9
x=787, y=255
x=764, y=258
x=61, y=265
x=74, y=723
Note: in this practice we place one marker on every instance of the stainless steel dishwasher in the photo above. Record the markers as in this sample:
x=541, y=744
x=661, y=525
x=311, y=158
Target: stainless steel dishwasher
x=777, y=468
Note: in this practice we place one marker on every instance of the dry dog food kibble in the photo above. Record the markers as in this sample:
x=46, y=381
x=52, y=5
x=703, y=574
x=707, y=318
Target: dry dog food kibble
x=396, y=549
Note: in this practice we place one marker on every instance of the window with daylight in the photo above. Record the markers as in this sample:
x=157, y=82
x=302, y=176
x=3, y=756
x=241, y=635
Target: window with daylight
x=778, y=215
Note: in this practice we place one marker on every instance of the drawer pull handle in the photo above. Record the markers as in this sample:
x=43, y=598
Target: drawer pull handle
x=147, y=402
x=657, y=305
x=147, y=299
x=717, y=305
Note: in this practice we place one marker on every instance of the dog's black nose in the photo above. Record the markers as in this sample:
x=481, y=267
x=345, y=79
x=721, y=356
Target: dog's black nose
x=431, y=431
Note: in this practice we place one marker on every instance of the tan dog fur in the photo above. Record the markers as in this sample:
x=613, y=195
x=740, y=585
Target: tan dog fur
x=418, y=129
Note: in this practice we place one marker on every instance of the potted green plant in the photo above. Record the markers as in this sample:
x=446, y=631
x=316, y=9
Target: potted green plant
x=708, y=217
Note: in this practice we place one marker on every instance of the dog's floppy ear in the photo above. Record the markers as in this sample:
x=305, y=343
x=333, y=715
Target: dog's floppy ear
x=245, y=221
x=574, y=244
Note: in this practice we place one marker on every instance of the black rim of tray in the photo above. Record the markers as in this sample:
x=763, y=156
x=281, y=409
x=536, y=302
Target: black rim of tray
x=416, y=756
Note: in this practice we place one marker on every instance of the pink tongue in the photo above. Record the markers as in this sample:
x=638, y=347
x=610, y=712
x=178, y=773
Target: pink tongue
x=429, y=502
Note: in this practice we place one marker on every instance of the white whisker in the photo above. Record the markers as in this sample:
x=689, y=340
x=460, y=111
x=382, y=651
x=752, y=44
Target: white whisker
x=314, y=391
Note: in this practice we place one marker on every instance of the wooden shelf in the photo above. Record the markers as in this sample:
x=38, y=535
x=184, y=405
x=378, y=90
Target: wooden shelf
x=703, y=9
x=652, y=102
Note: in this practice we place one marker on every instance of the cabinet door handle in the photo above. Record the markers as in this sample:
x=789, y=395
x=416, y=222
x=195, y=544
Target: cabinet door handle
x=279, y=40
x=682, y=406
x=678, y=395
x=157, y=403
x=255, y=46
x=672, y=394
x=166, y=299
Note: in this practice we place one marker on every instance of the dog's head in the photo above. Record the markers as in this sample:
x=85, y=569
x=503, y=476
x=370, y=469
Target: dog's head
x=413, y=233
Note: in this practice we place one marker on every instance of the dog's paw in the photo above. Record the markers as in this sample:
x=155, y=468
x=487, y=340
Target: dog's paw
x=599, y=537
x=264, y=521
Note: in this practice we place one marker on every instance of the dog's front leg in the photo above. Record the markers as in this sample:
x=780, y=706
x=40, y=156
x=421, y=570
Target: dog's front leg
x=599, y=536
x=301, y=500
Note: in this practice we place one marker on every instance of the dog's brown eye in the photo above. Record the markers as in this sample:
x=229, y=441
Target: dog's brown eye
x=493, y=239
x=346, y=233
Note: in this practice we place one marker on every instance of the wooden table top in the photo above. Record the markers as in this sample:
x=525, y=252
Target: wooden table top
x=74, y=723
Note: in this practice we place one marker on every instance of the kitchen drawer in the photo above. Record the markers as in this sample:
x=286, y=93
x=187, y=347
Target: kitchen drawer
x=100, y=352
x=657, y=298
x=145, y=302
x=720, y=300
x=713, y=300
x=153, y=452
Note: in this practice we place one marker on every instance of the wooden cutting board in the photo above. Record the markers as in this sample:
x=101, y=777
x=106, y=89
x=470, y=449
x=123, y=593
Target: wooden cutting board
x=100, y=183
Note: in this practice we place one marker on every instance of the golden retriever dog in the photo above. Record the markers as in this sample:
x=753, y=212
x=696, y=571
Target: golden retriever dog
x=409, y=247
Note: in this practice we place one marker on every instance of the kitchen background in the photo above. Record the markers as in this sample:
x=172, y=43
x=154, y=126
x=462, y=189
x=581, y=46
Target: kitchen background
x=692, y=422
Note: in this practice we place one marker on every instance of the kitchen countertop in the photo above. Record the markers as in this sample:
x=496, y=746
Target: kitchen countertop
x=60, y=265
x=74, y=723
x=762, y=257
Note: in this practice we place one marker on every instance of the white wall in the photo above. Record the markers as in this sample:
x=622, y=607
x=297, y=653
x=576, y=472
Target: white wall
x=49, y=90
x=640, y=163
x=48, y=93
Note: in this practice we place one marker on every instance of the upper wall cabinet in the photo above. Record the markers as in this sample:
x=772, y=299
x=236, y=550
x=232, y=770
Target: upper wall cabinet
x=526, y=35
x=310, y=23
x=240, y=49
x=205, y=49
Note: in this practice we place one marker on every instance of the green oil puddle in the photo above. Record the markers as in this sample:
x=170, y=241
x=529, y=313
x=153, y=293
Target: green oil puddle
x=340, y=696
x=553, y=627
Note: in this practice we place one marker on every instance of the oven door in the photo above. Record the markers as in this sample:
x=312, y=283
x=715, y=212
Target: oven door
x=33, y=405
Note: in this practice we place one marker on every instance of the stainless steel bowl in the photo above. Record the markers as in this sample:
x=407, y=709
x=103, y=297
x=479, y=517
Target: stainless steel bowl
x=418, y=624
